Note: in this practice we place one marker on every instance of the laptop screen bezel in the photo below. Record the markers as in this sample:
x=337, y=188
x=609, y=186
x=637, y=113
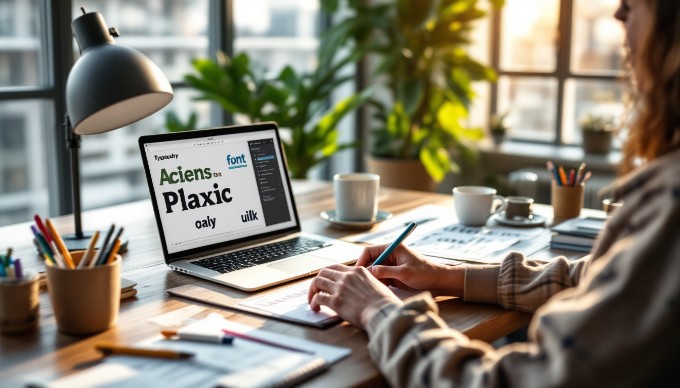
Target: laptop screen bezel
x=209, y=132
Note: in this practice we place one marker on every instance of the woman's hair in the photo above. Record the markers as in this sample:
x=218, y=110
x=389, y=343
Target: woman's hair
x=655, y=128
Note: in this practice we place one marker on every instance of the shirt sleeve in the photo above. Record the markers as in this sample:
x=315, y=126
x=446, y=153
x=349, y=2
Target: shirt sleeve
x=617, y=327
x=521, y=284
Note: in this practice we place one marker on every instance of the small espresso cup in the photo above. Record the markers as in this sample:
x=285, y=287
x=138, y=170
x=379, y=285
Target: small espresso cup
x=475, y=204
x=356, y=196
x=85, y=301
x=518, y=207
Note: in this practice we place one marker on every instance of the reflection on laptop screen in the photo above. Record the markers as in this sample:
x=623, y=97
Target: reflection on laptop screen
x=219, y=188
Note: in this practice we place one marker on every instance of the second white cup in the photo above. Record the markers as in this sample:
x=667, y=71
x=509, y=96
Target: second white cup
x=356, y=196
x=474, y=204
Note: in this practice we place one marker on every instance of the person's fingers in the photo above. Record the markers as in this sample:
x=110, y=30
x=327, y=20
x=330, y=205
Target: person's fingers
x=369, y=254
x=320, y=299
x=385, y=271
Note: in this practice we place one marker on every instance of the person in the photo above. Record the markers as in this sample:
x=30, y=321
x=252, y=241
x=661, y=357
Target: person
x=609, y=319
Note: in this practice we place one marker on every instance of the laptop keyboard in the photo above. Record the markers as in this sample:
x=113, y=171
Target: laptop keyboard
x=251, y=257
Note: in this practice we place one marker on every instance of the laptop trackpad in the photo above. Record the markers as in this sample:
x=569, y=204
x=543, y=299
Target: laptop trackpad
x=301, y=264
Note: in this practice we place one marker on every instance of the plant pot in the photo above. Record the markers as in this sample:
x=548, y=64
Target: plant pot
x=407, y=174
x=497, y=138
x=597, y=142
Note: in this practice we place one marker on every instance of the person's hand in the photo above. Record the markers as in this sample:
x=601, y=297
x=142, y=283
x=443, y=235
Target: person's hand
x=352, y=292
x=407, y=270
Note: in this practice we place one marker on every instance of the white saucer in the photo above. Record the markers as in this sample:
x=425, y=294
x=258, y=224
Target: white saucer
x=330, y=216
x=535, y=220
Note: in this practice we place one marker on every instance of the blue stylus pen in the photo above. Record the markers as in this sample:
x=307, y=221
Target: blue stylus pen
x=395, y=244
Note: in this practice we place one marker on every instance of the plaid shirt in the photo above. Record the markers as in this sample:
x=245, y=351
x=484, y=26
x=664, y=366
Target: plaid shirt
x=611, y=319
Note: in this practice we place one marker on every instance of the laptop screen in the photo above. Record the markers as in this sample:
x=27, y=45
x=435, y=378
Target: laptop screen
x=219, y=186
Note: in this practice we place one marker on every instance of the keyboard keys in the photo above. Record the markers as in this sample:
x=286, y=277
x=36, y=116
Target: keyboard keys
x=259, y=255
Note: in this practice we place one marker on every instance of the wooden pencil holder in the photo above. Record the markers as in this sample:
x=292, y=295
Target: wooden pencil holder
x=20, y=305
x=567, y=201
x=85, y=301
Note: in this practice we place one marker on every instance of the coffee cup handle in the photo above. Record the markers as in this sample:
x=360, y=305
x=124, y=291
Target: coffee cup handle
x=502, y=206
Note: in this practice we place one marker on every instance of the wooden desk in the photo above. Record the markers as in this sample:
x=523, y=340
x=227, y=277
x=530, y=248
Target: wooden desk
x=53, y=354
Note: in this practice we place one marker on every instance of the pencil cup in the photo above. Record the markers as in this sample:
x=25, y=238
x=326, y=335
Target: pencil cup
x=85, y=301
x=19, y=304
x=566, y=201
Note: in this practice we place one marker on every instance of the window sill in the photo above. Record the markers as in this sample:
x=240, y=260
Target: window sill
x=537, y=154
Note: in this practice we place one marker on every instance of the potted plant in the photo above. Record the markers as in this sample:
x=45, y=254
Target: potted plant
x=498, y=128
x=419, y=48
x=597, y=134
x=298, y=103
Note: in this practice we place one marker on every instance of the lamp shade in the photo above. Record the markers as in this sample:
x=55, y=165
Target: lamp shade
x=110, y=86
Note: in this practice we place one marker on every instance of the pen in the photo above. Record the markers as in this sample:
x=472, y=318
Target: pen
x=18, y=269
x=85, y=260
x=579, y=174
x=563, y=176
x=60, y=244
x=388, y=251
x=107, y=252
x=109, y=349
x=100, y=252
x=553, y=171
x=42, y=243
x=264, y=341
x=41, y=227
x=210, y=338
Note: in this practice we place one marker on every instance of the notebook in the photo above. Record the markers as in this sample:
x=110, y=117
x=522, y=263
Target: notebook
x=225, y=209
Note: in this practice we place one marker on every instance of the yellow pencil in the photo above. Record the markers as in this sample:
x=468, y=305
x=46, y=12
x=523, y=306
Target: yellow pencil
x=60, y=244
x=108, y=349
x=114, y=251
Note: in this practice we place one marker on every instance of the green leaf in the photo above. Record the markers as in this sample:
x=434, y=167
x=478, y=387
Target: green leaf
x=329, y=6
x=436, y=161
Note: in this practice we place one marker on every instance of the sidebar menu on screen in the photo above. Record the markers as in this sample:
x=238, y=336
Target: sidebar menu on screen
x=269, y=181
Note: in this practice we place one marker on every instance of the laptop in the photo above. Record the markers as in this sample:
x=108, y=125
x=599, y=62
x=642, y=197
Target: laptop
x=225, y=209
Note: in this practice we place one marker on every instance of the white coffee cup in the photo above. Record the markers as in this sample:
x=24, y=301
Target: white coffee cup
x=356, y=196
x=474, y=204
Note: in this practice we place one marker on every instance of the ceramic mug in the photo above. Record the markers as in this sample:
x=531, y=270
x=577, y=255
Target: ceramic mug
x=518, y=207
x=475, y=204
x=356, y=196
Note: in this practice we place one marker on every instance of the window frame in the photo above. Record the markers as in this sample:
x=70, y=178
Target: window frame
x=562, y=73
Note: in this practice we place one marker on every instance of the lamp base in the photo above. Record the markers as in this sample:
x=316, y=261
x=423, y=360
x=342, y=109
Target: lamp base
x=80, y=244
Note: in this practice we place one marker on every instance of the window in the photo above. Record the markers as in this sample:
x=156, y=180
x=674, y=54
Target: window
x=33, y=157
x=558, y=61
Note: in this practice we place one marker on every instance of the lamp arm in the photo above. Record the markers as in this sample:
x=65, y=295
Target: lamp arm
x=73, y=144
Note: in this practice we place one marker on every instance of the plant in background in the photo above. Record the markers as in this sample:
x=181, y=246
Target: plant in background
x=296, y=102
x=497, y=127
x=421, y=51
x=597, y=123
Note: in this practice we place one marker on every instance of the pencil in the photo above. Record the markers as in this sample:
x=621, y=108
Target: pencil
x=106, y=252
x=60, y=244
x=58, y=258
x=579, y=173
x=114, y=250
x=563, y=176
x=85, y=259
x=572, y=178
x=553, y=171
x=586, y=177
x=109, y=349
x=41, y=227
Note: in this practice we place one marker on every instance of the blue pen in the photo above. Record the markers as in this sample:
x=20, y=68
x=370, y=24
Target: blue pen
x=395, y=244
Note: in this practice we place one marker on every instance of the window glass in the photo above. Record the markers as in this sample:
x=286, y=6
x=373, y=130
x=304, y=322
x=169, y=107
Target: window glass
x=170, y=32
x=529, y=35
x=111, y=166
x=23, y=180
x=597, y=37
x=276, y=33
x=531, y=104
x=21, y=49
x=587, y=97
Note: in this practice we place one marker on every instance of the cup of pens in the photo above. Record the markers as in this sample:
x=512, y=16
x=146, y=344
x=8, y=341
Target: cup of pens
x=85, y=299
x=567, y=191
x=19, y=297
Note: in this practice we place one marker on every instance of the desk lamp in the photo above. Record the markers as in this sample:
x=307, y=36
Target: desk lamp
x=109, y=87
